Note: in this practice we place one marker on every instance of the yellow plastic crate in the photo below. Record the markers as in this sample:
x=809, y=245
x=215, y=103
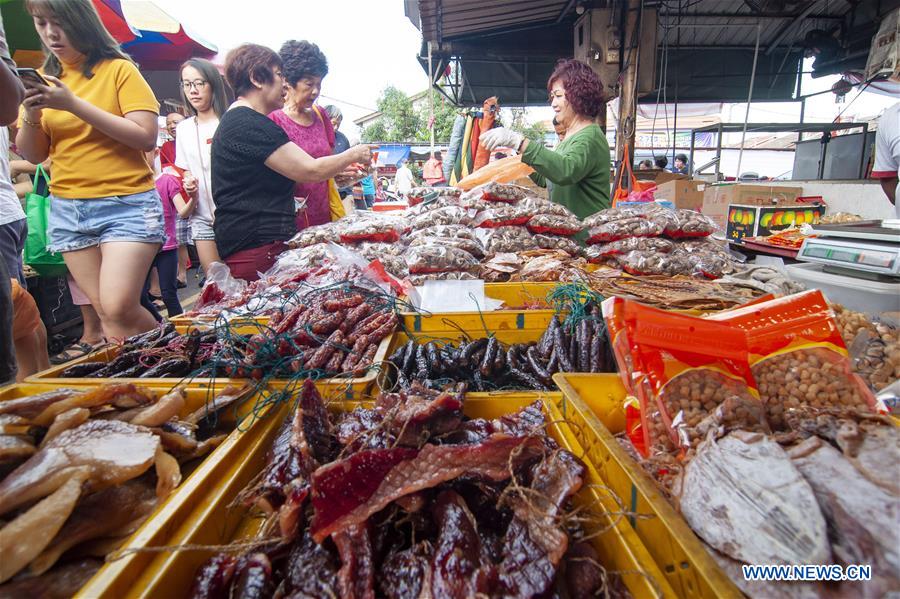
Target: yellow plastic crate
x=210, y=321
x=603, y=393
x=250, y=413
x=347, y=386
x=514, y=295
x=202, y=512
x=688, y=566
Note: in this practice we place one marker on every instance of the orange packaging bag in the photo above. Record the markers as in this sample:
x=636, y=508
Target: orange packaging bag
x=613, y=310
x=799, y=359
x=694, y=378
x=505, y=170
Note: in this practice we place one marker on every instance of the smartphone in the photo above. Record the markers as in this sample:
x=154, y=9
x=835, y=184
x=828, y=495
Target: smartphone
x=31, y=77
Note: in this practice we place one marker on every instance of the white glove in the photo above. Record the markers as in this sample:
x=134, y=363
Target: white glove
x=501, y=137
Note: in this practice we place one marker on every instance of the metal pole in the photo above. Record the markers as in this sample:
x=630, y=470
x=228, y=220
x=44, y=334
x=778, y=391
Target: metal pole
x=749, y=99
x=625, y=131
x=430, y=101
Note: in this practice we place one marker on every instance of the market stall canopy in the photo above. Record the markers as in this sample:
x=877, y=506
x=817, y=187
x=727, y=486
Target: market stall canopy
x=156, y=41
x=705, y=49
x=392, y=154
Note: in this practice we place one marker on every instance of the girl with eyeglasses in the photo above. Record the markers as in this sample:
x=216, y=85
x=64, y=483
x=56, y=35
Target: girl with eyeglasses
x=204, y=93
x=95, y=120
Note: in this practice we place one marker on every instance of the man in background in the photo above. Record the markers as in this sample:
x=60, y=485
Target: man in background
x=433, y=171
x=404, y=180
x=661, y=162
x=887, y=154
x=680, y=166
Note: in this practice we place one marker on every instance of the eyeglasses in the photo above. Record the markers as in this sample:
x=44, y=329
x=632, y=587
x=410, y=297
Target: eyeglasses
x=559, y=94
x=199, y=84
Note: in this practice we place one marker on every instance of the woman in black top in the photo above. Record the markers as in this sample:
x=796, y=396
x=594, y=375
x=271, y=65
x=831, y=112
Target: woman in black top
x=255, y=166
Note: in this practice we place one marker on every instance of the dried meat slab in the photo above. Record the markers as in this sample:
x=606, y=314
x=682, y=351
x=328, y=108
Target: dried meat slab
x=461, y=567
x=534, y=543
x=347, y=492
x=743, y=496
x=356, y=578
x=862, y=516
x=416, y=417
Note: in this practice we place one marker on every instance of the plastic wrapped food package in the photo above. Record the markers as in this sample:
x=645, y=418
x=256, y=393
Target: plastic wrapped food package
x=374, y=250
x=439, y=258
x=711, y=265
x=497, y=192
x=447, y=215
x=641, y=262
x=688, y=223
x=419, y=279
x=692, y=375
x=472, y=246
x=555, y=225
x=384, y=230
x=316, y=234
x=622, y=228
x=505, y=239
x=452, y=231
x=541, y=206
x=630, y=244
x=417, y=195
x=558, y=242
x=503, y=216
x=799, y=358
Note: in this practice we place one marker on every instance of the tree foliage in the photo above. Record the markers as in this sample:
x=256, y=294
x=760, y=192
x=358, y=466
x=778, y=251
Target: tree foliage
x=401, y=121
x=520, y=124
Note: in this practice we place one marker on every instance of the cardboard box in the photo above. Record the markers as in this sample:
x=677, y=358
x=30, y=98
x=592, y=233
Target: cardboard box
x=745, y=220
x=684, y=193
x=717, y=198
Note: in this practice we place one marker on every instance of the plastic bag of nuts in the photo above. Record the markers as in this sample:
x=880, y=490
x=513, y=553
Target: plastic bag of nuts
x=497, y=192
x=502, y=215
x=472, y=246
x=555, y=225
x=798, y=357
x=691, y=376
x=541, y=206
x=631, y=244
x=417, y=195
x=452, y=231
x=439, y=258
x=557, y=242
x=640, y=262
x=630, y=226
x=316, y=234
x=505, y=239
x=447, y=215
x=454, y=275
x=382, y=230
x=688, y=223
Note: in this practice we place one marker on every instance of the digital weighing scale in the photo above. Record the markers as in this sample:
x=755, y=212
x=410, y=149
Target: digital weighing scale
x=867, y=249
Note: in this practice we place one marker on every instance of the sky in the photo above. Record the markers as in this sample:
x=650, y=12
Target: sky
x=370, y=44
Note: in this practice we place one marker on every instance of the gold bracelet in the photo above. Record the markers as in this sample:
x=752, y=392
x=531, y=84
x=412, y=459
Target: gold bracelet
x=31, y=123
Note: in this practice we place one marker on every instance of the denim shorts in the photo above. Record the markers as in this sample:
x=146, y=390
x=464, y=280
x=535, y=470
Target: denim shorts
x=202, y=230
x=78, y=224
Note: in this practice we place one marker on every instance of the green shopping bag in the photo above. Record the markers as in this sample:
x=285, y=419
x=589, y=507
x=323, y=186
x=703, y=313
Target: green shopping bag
x=37, y=213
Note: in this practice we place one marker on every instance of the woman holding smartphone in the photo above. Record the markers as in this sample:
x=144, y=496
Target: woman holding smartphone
x=203, y=91
x=95, y=121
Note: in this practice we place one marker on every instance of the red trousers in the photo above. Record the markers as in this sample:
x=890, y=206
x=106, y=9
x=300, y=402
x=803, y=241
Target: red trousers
x=247, y=264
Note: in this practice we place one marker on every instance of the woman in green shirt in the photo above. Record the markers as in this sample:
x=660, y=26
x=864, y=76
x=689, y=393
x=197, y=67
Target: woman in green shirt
x=579, y=167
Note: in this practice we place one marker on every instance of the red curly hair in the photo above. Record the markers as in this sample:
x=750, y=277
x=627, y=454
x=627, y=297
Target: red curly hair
x=584, y=90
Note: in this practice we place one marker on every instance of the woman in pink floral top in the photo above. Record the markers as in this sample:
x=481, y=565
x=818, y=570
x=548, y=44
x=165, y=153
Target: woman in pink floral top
x=306, y=124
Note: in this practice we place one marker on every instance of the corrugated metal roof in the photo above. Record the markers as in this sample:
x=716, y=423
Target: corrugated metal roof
x=448, y=19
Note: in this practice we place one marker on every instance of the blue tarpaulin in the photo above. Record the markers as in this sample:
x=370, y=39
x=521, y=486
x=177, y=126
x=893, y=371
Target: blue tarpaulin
x=392, y=154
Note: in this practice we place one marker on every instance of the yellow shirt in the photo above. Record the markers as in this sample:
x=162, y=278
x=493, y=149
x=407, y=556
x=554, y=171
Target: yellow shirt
x=86, y=162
